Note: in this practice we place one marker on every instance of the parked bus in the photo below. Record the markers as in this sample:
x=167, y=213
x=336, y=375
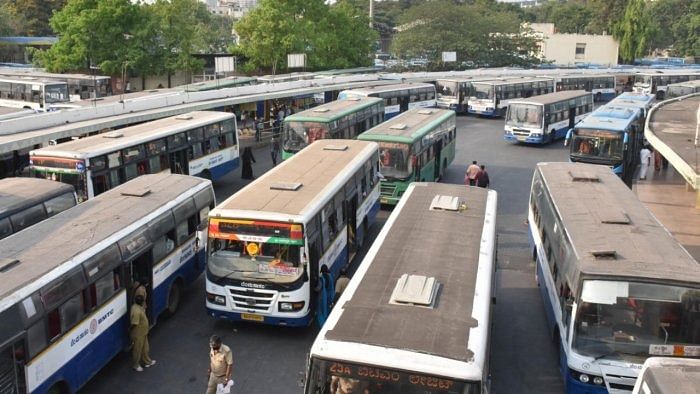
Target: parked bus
x=683, y=88
x=543, y=119
x=417, y=145
x=80, y=86
x=612, y=135
x=668, y=375
x=340, y=119
x=290, y=231
x=27, y=201
x=491, y=98
x=617, y=287
x=454, y=93
x=201, y=143
x=300, y=76
x=220, y=83
x=643, y=101
x=657, y=82
x=32, y=93
x=416, y=316
x=602, y=86
x=397, y=98
x=65, y=287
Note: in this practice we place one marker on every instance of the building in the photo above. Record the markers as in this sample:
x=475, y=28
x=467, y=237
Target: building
x=575, y=49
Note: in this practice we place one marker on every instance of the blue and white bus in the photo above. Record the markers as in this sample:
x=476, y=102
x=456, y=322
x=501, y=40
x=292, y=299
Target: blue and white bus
x=65, y=283
x=657, y=81
x=454, y=93
x=602, y=86
x=491, y=98
x=202, y=143
x=543, y=119
x=644, y=101
x=617, y=287
x=276, y=246
x=397, y=98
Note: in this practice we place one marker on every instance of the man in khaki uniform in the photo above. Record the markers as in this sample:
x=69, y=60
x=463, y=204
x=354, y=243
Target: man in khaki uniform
x=220, y=364
x=138, y=332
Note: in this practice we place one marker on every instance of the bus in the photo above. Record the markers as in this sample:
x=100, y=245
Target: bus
x=417, y=145
x=612, y=135
x=454, y=93
x=335, y=120
x=80, y=86
x=491, y=98
x=397, y=98
x=602, y=86
x=683, y=88
x=668, y=375
x=220, y=83
x=657, y=82
x=617, y=287
x=65, y=288
x=416, y=316
x=202, y=143
x=643, y=101
x=27, y=201
x=32, y=93
x=543, y=119
x=277, y=78
x=276, y=245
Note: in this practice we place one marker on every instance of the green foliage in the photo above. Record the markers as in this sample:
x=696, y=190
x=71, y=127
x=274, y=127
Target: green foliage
x=634, y=31
x=676, y=25
x=9, y=24
x=29, y=17
x=331, y=36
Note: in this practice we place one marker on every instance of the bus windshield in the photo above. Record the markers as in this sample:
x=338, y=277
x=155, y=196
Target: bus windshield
x=335, y=377
x=56, y=93
x=299, y=134
x=482, y=91
x=394, y=160
x=77, y=180
x=619, y=318
x=446, y=89
x=642, y=80
x=597, y=143
x=254, y=261
x=524, y=115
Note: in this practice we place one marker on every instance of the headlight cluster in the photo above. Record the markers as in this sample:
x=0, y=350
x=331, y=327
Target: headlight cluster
x=587, y=378
x=290, y=306
x=216, y=299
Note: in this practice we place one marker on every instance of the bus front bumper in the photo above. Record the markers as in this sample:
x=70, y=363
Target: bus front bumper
x=258, y=318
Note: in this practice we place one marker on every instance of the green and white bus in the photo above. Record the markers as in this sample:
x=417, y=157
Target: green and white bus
x=341, y=119
x=417, y=145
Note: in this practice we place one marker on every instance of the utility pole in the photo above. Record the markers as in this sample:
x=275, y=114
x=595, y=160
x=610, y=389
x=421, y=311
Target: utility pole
x=371, y=12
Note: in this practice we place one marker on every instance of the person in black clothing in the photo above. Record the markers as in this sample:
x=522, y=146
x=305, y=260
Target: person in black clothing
x=482, y=177
x=247, y=158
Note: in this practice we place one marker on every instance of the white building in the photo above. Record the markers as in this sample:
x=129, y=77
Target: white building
x=571, y=49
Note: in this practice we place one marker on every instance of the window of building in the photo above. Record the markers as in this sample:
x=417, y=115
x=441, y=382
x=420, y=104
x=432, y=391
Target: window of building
x=580, y=51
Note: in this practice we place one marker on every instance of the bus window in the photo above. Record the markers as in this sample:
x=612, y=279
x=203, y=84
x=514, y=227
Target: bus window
x=181, y=232
x=5, y=228
x=36, y=338
x=59, y=204
x=100, y=184
x=29, y=216
x=71, y=311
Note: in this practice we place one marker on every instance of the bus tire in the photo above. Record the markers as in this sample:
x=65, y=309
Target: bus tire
x=173, y=298
x=660, y=95
x=598, y=97
x=58, y=388
x=206, y=174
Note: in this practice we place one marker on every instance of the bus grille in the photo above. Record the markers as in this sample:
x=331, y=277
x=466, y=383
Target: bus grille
x=521, y=132
x=252, y=299
x=387, y=190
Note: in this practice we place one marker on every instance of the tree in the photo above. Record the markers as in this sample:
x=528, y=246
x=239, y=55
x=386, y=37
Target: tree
x=676, y=25
x=633, y=31
x=606, y=15
x=9, y=24
x=34, y=15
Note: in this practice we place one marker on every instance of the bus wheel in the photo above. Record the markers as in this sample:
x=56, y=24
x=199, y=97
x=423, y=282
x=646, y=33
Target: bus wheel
x=174, y=298
x=58, y=388
x=598, y=96
x=206, y=174
x=660, y=95
x=552, y=136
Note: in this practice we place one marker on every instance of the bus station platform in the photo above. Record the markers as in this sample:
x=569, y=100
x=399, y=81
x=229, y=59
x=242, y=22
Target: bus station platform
x=673, y=194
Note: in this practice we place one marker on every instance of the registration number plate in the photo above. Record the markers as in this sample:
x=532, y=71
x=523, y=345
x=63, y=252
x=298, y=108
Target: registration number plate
x=250, y=316
x=383, y=201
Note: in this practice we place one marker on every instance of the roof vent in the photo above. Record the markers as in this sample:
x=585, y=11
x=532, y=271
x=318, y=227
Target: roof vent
x=286, y=186
x=580, y=175
x=8, y=264
x=113, y=134
x=335, y=147
x=352, y=98
x=444, y=203
x=135, y=191
x=604, y=254
x=614, y=217
x=415, y=290
x=426, y=112
x=398, y=126
x=322, y=109
x=184, y=117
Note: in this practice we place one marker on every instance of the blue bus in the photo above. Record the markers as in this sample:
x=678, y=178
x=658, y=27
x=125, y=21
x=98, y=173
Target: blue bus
x=65, y=283
x=644, y=101
x=397, y=98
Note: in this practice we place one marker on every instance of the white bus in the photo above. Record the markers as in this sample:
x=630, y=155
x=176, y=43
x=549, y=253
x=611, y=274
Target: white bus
x=199, y=143
x=602, y=86
x=32, y=93
x=65, y=283
x=683, y=88
x=617, y=287
x=668, y=375
x=27, y=201
x=543, y=119
x=416, y=316
x=657, y=82
x=397, y=98
x=274, y=243
x=491, y=98
x=454, y=93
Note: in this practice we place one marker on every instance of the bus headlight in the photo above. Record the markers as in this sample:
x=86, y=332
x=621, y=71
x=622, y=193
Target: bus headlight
x=584, y=378
x=598, y=380
x=291, y=306
x=216, y=299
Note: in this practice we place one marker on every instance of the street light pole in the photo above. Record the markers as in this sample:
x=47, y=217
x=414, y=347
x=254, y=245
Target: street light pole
x=371, y=12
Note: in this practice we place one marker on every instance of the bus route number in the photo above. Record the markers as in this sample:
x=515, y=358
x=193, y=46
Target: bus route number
x=426, y=381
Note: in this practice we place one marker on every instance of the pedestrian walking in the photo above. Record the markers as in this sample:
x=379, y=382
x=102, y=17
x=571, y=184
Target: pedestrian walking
x=248, y=159
x=341, y=284
x=138, y=333
x=220, y=364
x=274, y=150
x=482, y=177
x=644, y=161
x=470, y=175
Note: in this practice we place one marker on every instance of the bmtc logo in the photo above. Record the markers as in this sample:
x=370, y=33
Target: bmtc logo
x=93, y=326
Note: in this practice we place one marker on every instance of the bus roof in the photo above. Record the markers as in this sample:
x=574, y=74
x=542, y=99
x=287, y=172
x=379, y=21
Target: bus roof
x=604, y=218
x=695, y=83
x=316, y=168
x=636, y=96
x=109, y=142
x=366, y=91
x=31, y=81
x=219, y=83
x=550, y=98
x=16, y=193
x=409, y=126
x=366, y=327
x=333, y=110
x=668, y=375
x=512, y=81
x=55, y=244
x=610, y=117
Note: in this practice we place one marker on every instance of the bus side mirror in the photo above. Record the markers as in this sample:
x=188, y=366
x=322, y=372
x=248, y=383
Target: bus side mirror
x=568, y=137
x=626, y=138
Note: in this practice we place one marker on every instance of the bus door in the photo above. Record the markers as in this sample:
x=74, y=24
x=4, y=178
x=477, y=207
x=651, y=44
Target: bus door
x=179, y=163
x=141, y=270
x=403, y=103
x=572, y=118
x=12, y=362
x=438, y=158
x=351, y=215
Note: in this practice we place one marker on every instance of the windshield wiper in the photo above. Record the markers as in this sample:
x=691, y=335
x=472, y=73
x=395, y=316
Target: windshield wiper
x=221, y=279
x=604, y=355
